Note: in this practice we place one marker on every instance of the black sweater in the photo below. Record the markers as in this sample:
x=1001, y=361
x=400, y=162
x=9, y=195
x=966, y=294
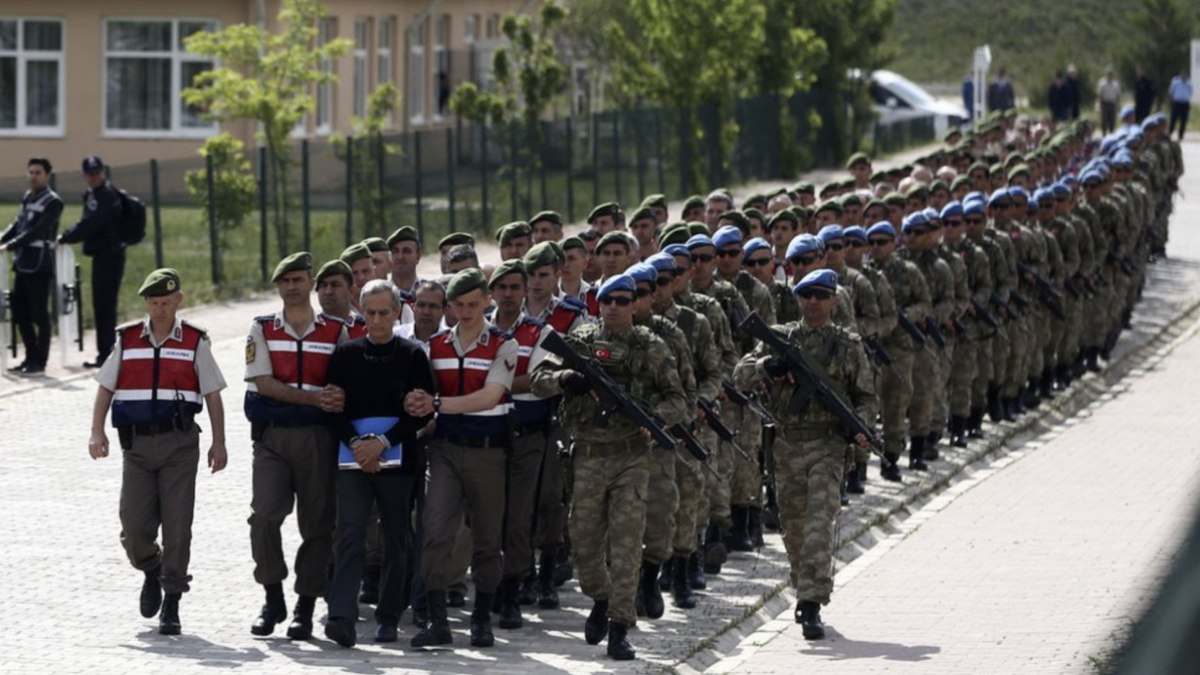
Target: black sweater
x=376, y=378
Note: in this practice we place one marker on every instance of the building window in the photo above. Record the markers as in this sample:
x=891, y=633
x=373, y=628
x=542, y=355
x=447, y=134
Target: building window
x=146, y=69
x=326, y=33
x=31, y=76
x=441, y=64
x=470, y=28
x=383, y=57
x=493, y=26
x=362, y=33
x=416, y=72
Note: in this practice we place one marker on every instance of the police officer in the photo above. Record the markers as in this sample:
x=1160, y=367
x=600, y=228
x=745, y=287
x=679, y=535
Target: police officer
x=31, y=236
x=335, y=282
x=102, y=212
x=161, y=374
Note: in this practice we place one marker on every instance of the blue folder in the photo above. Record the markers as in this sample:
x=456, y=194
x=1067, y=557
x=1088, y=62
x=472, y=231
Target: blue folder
x=391, y=457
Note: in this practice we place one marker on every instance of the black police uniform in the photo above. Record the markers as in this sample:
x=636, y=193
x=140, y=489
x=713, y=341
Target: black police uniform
x=102, y=211
x=30, y=237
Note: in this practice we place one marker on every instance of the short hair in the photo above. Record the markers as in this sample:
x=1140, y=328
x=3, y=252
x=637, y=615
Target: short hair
x=378, y=287
x=461, y=252
x=40, y=161
x=431, y=285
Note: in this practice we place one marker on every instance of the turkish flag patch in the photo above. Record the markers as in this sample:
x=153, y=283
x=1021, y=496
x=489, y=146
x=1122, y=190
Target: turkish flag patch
x=603, y=354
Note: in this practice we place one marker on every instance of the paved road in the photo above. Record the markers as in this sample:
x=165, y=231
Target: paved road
x=1032, y=564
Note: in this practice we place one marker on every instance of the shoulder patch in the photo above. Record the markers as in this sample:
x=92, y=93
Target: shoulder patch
x=265, y=318
x=251, y=350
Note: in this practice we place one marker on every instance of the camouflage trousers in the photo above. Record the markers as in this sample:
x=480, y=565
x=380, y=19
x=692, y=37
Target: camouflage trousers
x=983, y=371
x=608, y=517
x=941, y=401
x=1039, y=341
x=895, y=394
x=963, y=368
x=745, y=485
x=808, y=478
x=1068, y=339
x=859, y=456
x=1014, y=367
x=1001, y=346
x=662, y=501
x=925, y=378
x=1051, y=353
x=1100, y=314
x=689, y=483
x=719, y=486
x=708, y=439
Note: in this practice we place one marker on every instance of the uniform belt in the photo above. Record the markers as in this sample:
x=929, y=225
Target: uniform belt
x=609, y=448
x=476, y=441
x=40, y=243
x=289, y=425
x=156, y=428
x=811, y=433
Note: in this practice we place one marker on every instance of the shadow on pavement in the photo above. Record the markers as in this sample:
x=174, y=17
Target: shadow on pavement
x=195, y=649
x=837, y=646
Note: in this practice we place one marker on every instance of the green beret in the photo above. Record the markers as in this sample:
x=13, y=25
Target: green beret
x=511, y=266
x=550, y=216
x=755, y=213
x=755, y=198
x=875, y=202
x=938, y=185
x=857, y=158
x=605, y=209
x=851, y=198
x=464, y=282
x=1018, y=170
x=695, y=228
x=654, y=200
x=959, y=182
x=376, y=244
x=721, y=193
x=643, y=213
x=559, y=251
x=829, y=205
x=160, y=282
x=573, y=243
x=918, y=191
x=614, y=237
x=1010, y=113
x=737, y=217
x=298, y=261
x=353, y=254
x=513, y=230
x=894, y=199
x=977, y=166
x=335, y=266
x=786, y=214
x=540, y=255
x=695, y=201
x=676, y=233
x=801, y=212
x=456, y=238
x=951, y=133
x=827, y=188
x=996, y=168
x=878, y=177
x=406, y=233
x=1013, y=159
x=803, y=187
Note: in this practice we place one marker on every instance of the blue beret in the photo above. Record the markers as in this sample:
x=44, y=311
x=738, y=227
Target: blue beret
x=1123, y=158
x=676, y=249
x=1042, y=195
x=912, y=221
x=931, y=214
x=663, y=262
x=621, y=282
x=754, y=245
x=998, y=196
x=1091, y=177
x=1107, y=145
x=724, y=236
x=973, y=207
x=1018, y=191
x=951, y=210
x=882, y=227
x=1133, y=137
x=1060, y=190
x=826, y=279
x=643, y=272
x=698, y=241
x=830, y=232
x=1127, y=111
x=973, y=195
x=855, y=232
x=1070, y=179
x=803, y=243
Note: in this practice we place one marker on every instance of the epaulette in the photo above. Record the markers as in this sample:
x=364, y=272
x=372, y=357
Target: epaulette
x=203, y=331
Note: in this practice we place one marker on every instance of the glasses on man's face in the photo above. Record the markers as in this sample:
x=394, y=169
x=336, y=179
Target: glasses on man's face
x=813, y=294
x=880, y=242
x=620, y=301
x=664, y=281
x=857, y=243
x=974, y=221
x=1046, y=207
x=729, y=253
x=757, y=262
x=702, y=257
x=643, y=292
x=837, y=246
x=804, y=260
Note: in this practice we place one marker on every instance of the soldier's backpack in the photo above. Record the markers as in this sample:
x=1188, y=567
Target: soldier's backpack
x=131, y=229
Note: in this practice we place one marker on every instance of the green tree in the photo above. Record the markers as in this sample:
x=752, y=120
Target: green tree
x=266, y=78
x=234, y=186
x=370, y=151
x=1158, y=38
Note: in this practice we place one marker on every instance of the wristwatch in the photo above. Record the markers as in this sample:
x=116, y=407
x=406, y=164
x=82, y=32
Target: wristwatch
x=437, y=403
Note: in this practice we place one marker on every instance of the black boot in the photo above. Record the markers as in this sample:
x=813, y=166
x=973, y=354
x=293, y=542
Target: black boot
x=369, y=593
x=596, y=625
x=681, y=588
x=1010, y=409
x=648, y=594
x=618, y=646
x=916, y=454
x=168, y=619
x=810, y=620
x=547, y=594
x=1092, y=362
x=274, y=611
x=715, y=553
x=344, y=632
x=437, y=632
x=302, y=622
x=754, y=526
x=481, y=621
x=1046, y=386
x=695, y=572
x=931, y=441
x=889, y=469
x=527, y=591
x=958, y=432
x=770, y=516
x=664, y=577
x=564, y=570
x=510, y=609
x=1062, y=376
x=995, y=404
x=738, y=538
x=151, y=598
x=1033, y=396
x=854, y=481
x=843, y=496
x=975, y=423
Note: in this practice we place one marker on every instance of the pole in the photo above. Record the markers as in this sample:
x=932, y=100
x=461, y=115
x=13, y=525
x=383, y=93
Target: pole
x=483, y=173
x=156, y=201
x=595, y=160
x=417, y=159
x=304, y=197
x=570, y=170
x=213, y=241
x=451, y=159
x=262, y=212
x=616, y=154
x=349, y=191
x=380, y=169
x=658, y=153
x=512, y=159
x=637, y=153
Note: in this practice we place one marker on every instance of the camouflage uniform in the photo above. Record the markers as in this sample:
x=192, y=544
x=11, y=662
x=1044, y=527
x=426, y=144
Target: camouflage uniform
x=951, y=364
x=810, y=448
x=865, y=303
x=972, y=366
x=927, y=368
x=896, y=387
x=613, y=461
x=745, y=485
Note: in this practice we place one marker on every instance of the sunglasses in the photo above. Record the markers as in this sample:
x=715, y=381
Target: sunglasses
x=664, y=281
x=757, y=262
x=835, y=247
x=954, y=223
x=857, y=243
x=622, y=301
x=879, y=242
x=810, y=294
x=974, y=221
x=702, y=257
x=1046, y=207
x=728, y=253
x=804, y=260
x=644, y=292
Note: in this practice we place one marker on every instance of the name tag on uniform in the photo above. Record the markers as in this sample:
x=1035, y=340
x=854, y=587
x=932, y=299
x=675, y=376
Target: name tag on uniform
x=391, y=457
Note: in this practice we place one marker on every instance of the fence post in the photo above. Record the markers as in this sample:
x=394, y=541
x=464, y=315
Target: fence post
x=262, y=212
x=381, y=168
x=417, y=160
x=305, y=206
x=483, y=173
x=156, y=201
x=616, y=154
x=658, y=151
x=514, y=191
x=685, y=152
x=213, y=241
x=570, y=170
x=451, y=160
x=349, y=191
x=639, y=159
x=544, y=135
x=595, y=139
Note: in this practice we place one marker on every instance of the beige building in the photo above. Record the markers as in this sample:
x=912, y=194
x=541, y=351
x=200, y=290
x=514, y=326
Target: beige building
x=79, y=77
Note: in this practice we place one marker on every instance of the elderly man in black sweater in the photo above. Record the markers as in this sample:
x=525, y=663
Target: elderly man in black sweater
x=379, y=458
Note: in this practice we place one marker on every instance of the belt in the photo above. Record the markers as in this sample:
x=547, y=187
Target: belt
x=157, y=428
x=606, y=448
x=476, y=441
x=530, y=429
x=811, y=433
x=290, y=425
x=40, y=243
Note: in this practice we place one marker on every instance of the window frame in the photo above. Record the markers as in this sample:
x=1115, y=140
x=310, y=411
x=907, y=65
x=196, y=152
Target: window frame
x=178, y=56
x=442, y=27
x=416, y=81
x=360, y=72
x=21, y=129
x=385, y=48
x=324, y=127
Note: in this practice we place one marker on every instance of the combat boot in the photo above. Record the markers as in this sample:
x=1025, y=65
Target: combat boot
x=1010, y=410
x=302, y=621
x=1046, y=386
x=648, y=594
x=810, y=620
x=854, y=481
x=564, y=570
x=664, y=577
x=1062, y=375
x=547, y=594
x=754, y=525
x=738, y=538
x=995, y=404
x=681, y=588
x=151, y=598
x=1032, y=398
x=931, y=441
x=481, y=621
x=527, y=592
x=596, y=623
x=168, y=619
x=843, y=496
x=770, y=516
x=437, y=632
x=510, y=609
x=618, y=644
x=695, y=572
x=274, y=611
x=975, y=423
x=715, y=553
x=889, y=469
x=1092, y=361
x=916, y=454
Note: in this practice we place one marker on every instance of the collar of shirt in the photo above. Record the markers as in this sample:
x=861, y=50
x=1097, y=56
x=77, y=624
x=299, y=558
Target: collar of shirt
x=176, y=332
x=485, y=336
x=318, y=320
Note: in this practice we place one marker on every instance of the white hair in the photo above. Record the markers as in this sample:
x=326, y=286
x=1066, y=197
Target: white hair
x=378, y=287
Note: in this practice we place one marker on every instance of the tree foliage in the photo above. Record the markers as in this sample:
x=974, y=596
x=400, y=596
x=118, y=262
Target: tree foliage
x=370, y=151
x=234, y=186
x=266, y=78
x=1158, y=39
